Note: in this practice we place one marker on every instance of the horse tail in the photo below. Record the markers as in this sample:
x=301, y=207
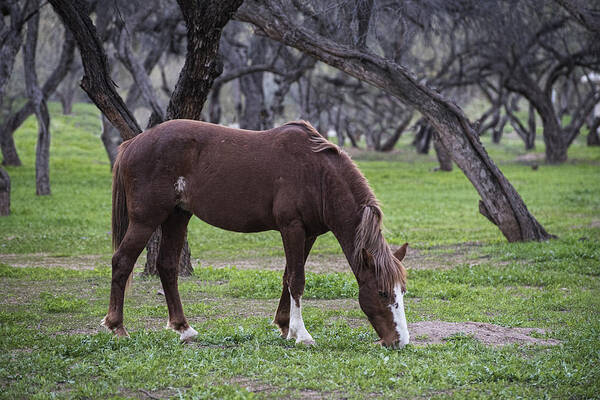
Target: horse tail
x=120, y=219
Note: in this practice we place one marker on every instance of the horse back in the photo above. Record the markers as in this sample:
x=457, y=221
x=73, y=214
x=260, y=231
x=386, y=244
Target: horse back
x=238, y=180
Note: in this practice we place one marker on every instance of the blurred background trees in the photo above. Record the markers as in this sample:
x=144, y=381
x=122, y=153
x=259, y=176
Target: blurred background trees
x=364, y=72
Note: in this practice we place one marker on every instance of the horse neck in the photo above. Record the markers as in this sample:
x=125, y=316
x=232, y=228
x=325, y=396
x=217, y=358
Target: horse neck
x=343, y=223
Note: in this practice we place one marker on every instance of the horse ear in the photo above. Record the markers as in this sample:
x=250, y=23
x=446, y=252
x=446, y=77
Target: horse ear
x=401, y=252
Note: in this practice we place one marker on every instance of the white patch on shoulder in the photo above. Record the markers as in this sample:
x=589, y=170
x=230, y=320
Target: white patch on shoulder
x=180, y=185
x=397, y=309
x=297, y=330
x=188, y=334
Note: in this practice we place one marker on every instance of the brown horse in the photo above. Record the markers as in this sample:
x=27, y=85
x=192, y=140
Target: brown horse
x=289, y=179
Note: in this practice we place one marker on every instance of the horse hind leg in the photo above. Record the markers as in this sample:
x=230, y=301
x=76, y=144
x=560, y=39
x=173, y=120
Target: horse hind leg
x=123, y=262
x=173, y=237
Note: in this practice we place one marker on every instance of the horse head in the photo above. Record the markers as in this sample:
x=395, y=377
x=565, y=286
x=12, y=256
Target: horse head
x=382, y=302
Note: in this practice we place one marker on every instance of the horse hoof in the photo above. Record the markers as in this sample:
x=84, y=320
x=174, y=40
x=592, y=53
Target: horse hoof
x=307, y=342
x=121, y=332
x=188, y=334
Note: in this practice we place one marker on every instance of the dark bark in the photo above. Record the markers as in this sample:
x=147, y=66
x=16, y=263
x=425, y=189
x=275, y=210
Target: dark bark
x=96, y=82
x=442, y=154
x=592, y=138
x=204, y=22
x=36, y=97
x=14, y=121
x=111, y=139
x=423, y=137
x=498, y=130
x=501, y=201
x=10, y=41
x=525, y=133
x=4, y=192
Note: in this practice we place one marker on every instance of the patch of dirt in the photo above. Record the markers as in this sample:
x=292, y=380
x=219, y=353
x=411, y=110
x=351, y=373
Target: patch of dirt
x=47, y=260
x=531, y=158
x=444, y=257
x=269, y=390
x=430, y=332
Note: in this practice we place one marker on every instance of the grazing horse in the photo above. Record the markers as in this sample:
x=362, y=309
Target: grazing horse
x=289, y=179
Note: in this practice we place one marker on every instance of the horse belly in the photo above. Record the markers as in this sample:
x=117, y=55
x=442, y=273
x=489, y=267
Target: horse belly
x=233, y=209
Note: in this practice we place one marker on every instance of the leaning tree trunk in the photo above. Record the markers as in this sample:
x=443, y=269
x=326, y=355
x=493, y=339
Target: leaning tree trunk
x=4, y=192
x=500, y=202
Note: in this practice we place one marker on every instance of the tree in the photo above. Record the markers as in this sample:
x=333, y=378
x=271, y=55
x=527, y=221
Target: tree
x=532, y=48
x=15, y=119
x=500, y=202
x=204, y=23
x=4, y=193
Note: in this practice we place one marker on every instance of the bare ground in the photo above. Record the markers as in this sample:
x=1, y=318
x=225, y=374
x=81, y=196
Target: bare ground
x=422, y=333
x=442, y=257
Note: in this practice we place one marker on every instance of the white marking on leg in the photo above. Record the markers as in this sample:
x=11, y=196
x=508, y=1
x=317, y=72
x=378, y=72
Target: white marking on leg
x=184, y=334
x=187, y=334
x=399, y=316
x=297, y=329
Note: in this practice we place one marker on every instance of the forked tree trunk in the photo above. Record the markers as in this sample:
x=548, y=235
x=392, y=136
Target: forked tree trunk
x=500, y=202
x=204, y=21
x=4, y=193
x=14, y=121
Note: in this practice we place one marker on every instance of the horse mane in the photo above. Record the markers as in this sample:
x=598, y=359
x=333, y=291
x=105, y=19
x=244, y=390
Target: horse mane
x=318, y=142
x=389, y=271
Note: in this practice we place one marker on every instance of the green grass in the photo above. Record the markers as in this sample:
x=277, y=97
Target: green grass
x=51, y=345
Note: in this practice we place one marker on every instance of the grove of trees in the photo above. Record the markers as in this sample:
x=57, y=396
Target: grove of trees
x=367, y=71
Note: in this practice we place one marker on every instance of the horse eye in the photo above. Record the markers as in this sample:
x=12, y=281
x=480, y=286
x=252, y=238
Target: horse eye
x=383, y=294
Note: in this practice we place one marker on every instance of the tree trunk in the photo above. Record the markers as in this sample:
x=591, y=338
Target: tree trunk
x=556, y=146
x=9, y=150
x=592, y=138
x=530, y=139
x=389, y=144
x=204, y=22
x=13, y=122
x=442, y=154
x=500, y=202
x=36, y=96
x=111, y=139
x=423, y=137
x=498, y=130
x=10, y=40
x=4, y=193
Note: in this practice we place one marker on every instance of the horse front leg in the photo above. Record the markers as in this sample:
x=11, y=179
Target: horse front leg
x=282, y=316
x=294, y=243
x=173, y=237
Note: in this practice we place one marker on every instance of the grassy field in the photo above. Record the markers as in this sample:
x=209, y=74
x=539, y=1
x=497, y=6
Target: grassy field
x=54, y=274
